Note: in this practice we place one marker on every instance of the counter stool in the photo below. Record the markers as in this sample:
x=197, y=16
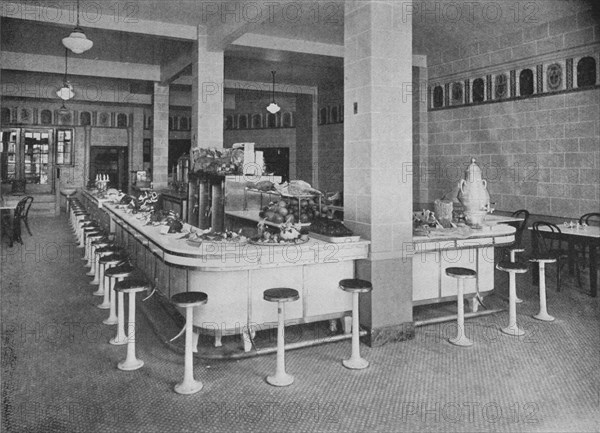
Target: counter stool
x=461, y=274
x=131, y=286
x=84, y=227
x=87, y=231
x=512, y=268
x=91, y=237
x=512, y=254
x=106, y=262
x=356, y=287
x=115, y=274
x=281, y=296
x=541, y=261
x=188, y=300
x=100, y=243
x=99, y=278
x=81, y=223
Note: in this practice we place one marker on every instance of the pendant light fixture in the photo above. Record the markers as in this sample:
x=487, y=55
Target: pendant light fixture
x=77, y=41
x=273, y=107
x=66, y=91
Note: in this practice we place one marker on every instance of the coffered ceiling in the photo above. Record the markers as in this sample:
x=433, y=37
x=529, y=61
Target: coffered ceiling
x=256, y=36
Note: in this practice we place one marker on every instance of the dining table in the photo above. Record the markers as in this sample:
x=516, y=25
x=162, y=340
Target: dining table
x=578, y=235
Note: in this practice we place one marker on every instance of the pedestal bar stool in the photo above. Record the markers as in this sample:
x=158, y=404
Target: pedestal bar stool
x=91, y=238
x=512, y=269
x=79, y=234
x=115, y=274
x=461, y=274
x=98, y=277
x=281, y=296
x=106, y=262
x=541, y=261
x=131, y=286
x=88, y=231
x=95, y=245
x=188, y=300
x=356, y=287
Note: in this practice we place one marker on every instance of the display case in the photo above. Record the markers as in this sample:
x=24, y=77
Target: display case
x=64, y=146
x=212, y=197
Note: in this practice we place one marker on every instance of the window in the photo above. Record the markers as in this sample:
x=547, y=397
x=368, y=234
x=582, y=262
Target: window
x=478, y=90
x=64, y=146
x=526, y=82
x=586, y=72
x=243, y=121
x=323, y=116
x=5, y=117
x=438, y=97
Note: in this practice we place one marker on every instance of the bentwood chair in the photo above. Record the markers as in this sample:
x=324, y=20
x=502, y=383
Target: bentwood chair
x=517, y=245
x=12, y=226
x=549, y=244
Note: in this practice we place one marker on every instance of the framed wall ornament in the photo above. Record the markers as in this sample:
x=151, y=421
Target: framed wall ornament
x=554, y=76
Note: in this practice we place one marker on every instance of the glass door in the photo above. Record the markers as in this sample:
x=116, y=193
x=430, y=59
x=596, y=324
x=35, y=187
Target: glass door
x=27, y=160
x=37, y=160
x=9, y=143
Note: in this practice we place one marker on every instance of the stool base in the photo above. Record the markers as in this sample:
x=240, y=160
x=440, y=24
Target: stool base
x=545, y=317
x=355, y=363
x=130, y=365
x=283, y=379
x=103, y=306
x=115, y=342
x=519, y=301
x=513, y=331
x=110, y=321
x=461, y=341
x=188, y=388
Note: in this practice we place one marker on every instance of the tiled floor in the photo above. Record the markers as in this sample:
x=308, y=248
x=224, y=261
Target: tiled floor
x=59, y=373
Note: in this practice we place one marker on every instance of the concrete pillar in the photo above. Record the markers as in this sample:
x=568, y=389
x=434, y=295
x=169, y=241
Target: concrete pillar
x=160, y=137
x=208, y=77
x=377, y=145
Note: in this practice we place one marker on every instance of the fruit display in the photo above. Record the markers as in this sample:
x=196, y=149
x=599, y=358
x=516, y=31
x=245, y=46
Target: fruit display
x=291, y=210
x=286, y=234
x=329, y=227
x=167, y=218
x=227, y=236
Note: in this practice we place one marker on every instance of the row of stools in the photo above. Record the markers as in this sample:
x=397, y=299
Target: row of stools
x=115, y=276
x=512, y=267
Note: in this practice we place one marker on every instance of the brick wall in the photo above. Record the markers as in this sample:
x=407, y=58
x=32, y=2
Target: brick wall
x=541, y=153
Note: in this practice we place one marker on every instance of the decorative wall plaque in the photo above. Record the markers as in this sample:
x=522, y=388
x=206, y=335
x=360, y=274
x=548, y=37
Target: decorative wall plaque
x=501, y=90
x=554, y=76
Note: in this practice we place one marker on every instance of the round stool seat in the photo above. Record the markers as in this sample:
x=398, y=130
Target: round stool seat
x=281, y=294
x=121, y=271
x=542, y=259
x=189, y=299
x=519, y=268
x=131, y=286
x=461, y=273
x=354, y=285
x=112, y=259
x=108, y=249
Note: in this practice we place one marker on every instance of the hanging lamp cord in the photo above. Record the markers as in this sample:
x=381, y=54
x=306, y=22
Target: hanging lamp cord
x=77, y=13
x=66, y=56
x=273, y=92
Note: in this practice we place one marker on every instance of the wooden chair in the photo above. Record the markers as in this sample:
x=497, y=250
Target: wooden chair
x=517, y=245
x=549, y=244
x=12, y=225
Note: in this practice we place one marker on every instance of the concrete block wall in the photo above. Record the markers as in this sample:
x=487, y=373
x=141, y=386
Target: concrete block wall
x=540, y=153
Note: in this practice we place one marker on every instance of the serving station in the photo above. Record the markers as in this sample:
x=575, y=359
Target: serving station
x=235, y=274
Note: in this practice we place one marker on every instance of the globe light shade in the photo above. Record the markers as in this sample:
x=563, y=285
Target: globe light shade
x=66, y=92
x=77, y=41
x=273, y=108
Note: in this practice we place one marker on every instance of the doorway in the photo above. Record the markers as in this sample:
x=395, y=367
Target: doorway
x=112, y=161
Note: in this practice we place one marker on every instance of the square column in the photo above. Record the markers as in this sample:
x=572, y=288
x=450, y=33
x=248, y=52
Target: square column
x=160, y=137
x=378, y=143
x=208, y=77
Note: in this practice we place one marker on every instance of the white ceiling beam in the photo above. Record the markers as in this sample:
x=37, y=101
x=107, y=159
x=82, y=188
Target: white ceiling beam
x=285, y=44
x=170, y=72
x=78, y=66
x=100, y=19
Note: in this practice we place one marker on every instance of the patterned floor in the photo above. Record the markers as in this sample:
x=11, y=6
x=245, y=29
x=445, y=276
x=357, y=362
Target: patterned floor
x=59, y=373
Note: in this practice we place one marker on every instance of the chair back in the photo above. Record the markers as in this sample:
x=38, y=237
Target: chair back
x=547, y=236
x=521, y=226
x=593, y=218
x=22, y=208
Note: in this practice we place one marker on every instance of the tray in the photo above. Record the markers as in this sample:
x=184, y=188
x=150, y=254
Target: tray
x=277, y=244
x=334, y=239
